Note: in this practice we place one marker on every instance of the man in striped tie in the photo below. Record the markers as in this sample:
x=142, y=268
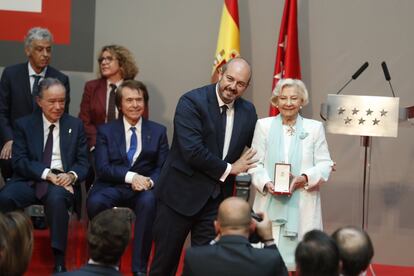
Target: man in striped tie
x=129, y=154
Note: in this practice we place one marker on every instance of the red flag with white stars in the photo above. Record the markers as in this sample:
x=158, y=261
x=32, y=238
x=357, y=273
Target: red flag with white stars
x=287, y=63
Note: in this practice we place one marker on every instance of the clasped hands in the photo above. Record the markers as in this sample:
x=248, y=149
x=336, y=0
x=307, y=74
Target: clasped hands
x=141, y=183
x=64, y=180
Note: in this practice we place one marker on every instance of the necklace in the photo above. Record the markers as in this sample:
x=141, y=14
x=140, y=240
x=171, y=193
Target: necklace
x=290, y=130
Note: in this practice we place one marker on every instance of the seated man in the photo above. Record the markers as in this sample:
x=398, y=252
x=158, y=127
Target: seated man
x=129, y=154
x=49, y=157
x=108, y=236
x=355, y=250
x=19, y=86
x=232, y=254
x=317, y=255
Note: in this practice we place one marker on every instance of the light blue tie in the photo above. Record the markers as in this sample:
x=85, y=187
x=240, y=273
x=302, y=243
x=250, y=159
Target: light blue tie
x=133, y=146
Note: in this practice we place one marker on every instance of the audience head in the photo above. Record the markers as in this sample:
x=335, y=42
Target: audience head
x=117, y=62
x=355, y=249
x=108, y=236
x=234, y=78
x=317, y=255
x=38, y=48
x=16, y=243
x=234, y=218
x=51, y=99
x=131, y=100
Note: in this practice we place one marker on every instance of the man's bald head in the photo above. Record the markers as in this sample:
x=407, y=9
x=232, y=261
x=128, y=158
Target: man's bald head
x=355, y=249
x=234, y=216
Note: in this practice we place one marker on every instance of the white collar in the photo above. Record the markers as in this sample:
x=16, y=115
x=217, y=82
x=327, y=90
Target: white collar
x=127, y=125
x=32, y=72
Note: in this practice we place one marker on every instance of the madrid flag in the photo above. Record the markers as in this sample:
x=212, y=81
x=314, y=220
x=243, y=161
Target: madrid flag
x=228, y=43
x=287, y=63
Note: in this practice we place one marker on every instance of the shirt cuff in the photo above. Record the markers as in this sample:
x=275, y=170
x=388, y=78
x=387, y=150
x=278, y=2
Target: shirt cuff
x=44, y=174
x=75, y=175
x=129, y=176
x=226, y=173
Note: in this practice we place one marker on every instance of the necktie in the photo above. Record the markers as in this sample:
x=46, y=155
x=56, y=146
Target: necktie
x=41, y=187
x=35, y=89
x=133, y=146
x=111, y=105
x=223, y=117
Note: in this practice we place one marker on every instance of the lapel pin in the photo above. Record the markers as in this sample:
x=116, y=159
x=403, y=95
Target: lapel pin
x=70, y=131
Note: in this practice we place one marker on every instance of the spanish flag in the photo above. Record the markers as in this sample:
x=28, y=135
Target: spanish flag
x=228, y=44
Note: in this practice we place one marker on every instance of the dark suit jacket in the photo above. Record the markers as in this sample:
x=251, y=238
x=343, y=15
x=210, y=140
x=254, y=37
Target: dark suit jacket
x=194, y=165
x=91, y=270
x=233, y=255
x=16, y=98
x=27, y=151
x=111, y=158
x=93, y=108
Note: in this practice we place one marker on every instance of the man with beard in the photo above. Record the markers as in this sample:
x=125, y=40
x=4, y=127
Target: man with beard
x=212, y=127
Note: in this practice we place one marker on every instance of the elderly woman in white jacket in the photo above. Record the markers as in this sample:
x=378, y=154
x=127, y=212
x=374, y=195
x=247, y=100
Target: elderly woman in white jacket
x=290, y=138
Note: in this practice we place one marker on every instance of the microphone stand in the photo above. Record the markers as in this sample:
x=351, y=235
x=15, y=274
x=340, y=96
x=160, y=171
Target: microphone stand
x=366, y=142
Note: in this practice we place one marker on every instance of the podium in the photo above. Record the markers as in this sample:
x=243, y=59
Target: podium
x=367, y=117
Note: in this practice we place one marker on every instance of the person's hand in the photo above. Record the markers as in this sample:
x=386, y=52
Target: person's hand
x=65, y=179
x=333, y=167
x=270, y=187
x=51, y=177
x=140, y=183
x=244, y=163
x=6, y=151
x=264, y=227
x=297, y=183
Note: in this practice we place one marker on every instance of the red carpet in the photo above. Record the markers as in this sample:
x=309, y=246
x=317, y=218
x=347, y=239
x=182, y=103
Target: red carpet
x=77, y=255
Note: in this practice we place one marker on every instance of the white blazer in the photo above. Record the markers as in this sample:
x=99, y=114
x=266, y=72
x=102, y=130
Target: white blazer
x=316, y=162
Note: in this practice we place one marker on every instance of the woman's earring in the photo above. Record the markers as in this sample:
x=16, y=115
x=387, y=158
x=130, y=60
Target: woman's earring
x=300, y=107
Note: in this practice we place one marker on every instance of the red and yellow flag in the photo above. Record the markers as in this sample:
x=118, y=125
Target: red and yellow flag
x=287, y=63
x=228, y=43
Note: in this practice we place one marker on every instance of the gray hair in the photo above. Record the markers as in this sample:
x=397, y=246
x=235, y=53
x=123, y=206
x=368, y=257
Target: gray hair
x=47, y=83
x=37, y=33
x=298, y=84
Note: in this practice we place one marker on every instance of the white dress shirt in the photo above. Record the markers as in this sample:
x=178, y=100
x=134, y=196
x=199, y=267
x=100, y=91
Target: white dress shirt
x=32, y=72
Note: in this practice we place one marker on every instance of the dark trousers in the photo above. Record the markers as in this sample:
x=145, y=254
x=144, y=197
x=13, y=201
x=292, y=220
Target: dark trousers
x=142, y=203
x=57, y=202
x=171, y=229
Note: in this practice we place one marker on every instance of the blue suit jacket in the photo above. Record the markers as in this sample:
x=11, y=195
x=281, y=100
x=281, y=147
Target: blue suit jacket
x=194, y=165
x=111, y=158
x=16, y=97
x=27, y=151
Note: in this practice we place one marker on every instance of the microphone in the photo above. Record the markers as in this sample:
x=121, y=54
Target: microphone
x=355, y=75
x=387, y=76
x=360, y=70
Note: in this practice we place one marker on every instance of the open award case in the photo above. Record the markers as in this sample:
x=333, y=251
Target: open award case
x=282, y=179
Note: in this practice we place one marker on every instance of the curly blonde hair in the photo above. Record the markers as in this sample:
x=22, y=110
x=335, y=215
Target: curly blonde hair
x=129, y=68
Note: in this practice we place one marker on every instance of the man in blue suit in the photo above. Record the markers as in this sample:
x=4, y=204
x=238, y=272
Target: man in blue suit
x=206, y=154
x=19, y=86
x=129, y=154
x=49, y=158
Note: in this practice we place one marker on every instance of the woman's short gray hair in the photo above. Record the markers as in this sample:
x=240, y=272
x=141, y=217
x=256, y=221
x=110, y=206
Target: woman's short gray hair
x=37, y=33
x=298, y=84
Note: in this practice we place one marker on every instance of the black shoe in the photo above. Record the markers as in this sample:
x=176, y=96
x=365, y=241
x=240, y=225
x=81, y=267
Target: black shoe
x=39, y=223
x=139, y=273
x=59, y=269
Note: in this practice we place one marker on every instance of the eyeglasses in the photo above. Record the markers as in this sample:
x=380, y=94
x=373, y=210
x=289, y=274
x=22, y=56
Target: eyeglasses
x=108, y=59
